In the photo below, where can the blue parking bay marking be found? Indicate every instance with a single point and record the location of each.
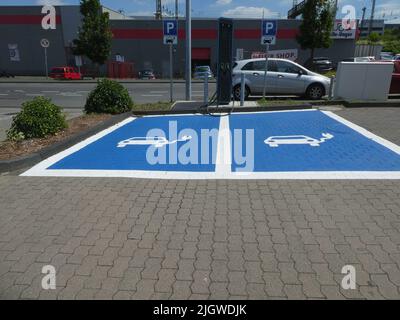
(314, 144)
(141, 147)
(304, 144)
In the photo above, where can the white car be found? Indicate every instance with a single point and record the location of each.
(284, 77)
(275, 141)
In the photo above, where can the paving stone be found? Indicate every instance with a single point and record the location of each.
(237, 283)
(386, 288)
(219, 290)
(294, 291)
(148, 239)
(181, 290)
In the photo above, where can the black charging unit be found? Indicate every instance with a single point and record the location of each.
(224, 65)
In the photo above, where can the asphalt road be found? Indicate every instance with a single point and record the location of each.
(72, 96)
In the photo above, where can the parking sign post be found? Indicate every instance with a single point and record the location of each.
(45, 44)
(171, 71)
(269, 29)
(266, 70)
(171, 38)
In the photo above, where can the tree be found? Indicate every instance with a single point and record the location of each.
(317, 25)
(373, 38)
(94, 37)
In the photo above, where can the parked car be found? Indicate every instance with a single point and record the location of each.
(5, 74)
(396, 57)
(395, 84)
(359, 59)
(284, 77)
(147, 75)
(200, 72)
(319, 64)
(386, 56)
(65, 73)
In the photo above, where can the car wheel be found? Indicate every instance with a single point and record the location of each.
(237, 92)
(315, 91)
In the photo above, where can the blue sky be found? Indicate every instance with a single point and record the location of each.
(388, 9)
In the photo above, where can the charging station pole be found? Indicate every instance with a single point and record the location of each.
(188, 50)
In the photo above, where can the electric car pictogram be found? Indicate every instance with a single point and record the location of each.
(158, 142)
(275, 141)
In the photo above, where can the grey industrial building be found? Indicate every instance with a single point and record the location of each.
(138, 40)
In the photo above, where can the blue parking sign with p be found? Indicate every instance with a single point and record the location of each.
(269, 30)
(170, 31)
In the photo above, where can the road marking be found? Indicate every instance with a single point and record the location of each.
(152, 95)
(69, 94)
(50, 91)
(158, 91)
(33, 94)
(20, 91)
(3, 94)
(224, 150)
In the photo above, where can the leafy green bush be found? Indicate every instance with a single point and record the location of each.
(37, 119)
(108, 97)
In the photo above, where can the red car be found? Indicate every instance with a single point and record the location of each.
(395, 85)
(66, 73)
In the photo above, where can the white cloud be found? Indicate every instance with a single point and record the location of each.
(223, 2)
(390, 8)
(141, 13)
(250, 12)
(50, 2)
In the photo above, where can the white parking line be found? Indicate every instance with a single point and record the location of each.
(152, 95)
(50, 91)
(33, 94)
(158, 91)
(69, 94)
(3, 94)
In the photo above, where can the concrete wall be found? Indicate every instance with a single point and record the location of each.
(22, 26)
(140, 41)
(146, 49)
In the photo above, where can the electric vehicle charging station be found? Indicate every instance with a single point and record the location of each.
(223, 94)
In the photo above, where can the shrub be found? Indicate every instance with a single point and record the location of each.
(108, 97)
(37, 119)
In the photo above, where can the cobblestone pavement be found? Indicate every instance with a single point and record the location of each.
(146, 239)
